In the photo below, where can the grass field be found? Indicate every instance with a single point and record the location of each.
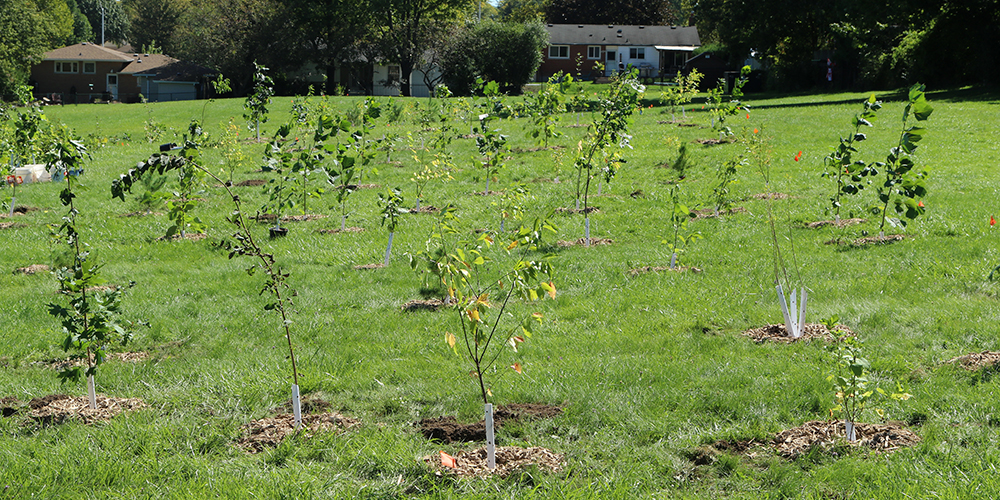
(648, 368)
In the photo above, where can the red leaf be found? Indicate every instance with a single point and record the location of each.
(447, 460)
(992, 221)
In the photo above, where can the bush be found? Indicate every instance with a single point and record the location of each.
(508, 53)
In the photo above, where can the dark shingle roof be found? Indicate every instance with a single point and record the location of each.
(604, 34)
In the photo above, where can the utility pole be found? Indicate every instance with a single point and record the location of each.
(102, 23)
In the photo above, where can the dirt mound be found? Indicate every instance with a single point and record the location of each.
(582, 242)
(345, 230)
(57, 408)
(889, 437)
(32, 269)
(508, 459)
(11, 225)
(187, 236)
(835, 223)
(709, 213)
(423, 305)
(655, 269)
(977, 360)
(589, 210)
(10, 406)
(302, 218)
(773, 196)
(777, 333)
(364, 267)
(869, 240)
(251, 182)
(269, 432)
(447, 429)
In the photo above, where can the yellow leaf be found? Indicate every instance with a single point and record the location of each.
(489, 239)
(473, 315)
(550, 289)
(512, 245)
(489, 392)
(450, 339)
(516, 367)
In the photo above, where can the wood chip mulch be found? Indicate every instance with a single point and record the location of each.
(836, 223)
(484, 193)
(655, 269)
(582, 242)
(11, 225)
(251, 182)
(72, 361)
(427, 209)
(141, 214)
(58, 408)
(880, 438)
(187, 236)
(473, 463)
(269, 432)
(976, 360)
(777, 333)
(423, 305)
(589, 210)
(878, 240)
(32, 269)
(712, 142)
(345, 230)
(303, 217)
(709, 213)
(364, 267)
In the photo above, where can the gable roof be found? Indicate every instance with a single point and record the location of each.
(164, 68)
(609, 34)
(86, 52)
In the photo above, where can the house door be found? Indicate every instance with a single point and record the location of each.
(113, 86)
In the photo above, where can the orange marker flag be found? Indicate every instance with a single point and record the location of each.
(447, 460)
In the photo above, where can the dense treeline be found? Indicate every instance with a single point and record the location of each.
(940, 42)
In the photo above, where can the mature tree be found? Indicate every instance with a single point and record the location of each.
(152, 22)
(404, 29)
(57, 21)
(328, 31)
(522, 11)
(627, 12)
(116, 23)
(21, 43)
(81, 26)
(229, 35)
(508, 53)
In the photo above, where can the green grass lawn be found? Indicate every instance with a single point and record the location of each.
(647, 367)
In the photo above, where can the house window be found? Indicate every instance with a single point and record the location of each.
(558, 51)
(393, 72)
(66, 67)
(611, 55)
(637, 53)
(593, 52)
(89, 68)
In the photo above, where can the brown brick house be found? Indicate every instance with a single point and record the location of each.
(85, 72)
(654, 50)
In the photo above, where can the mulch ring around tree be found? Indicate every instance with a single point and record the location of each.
(73, 361)
(976, 360)
(655, 269)
(32, 269)
(777, 333)
(251, 182)
(187, 236)
(589, 210)
(537, 149)
(345, 230)
(141, 213)
(11, 225)
(485, 193)
(773, 196)
(869, 240)
(367, 267)
(712, 142)
(269, 432)
(423, 305)
(880, 438)
(287, 218)
(58, 408)
(473, 463)
(19, 210)
(709, 213)
(835, 223)
(10, 406)
(426, 209)
(583, 242)
(447, 429)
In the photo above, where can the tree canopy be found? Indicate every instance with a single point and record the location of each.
(116, 23)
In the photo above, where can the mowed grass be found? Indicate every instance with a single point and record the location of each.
(648, 367)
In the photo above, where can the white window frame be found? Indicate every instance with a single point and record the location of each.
(594, 52)
(637, 53)
(559, 50)
(93, 67)
(60, 67)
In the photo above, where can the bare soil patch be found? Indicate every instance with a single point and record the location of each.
(355, 187)
(269, 432)
(141, 213)
(777, 333)
(709, 213)
(72, 361)
(712, 142)
(427, 209)
(11, 225)
(21, 210)
(835, 223)
(364, 267)
(707, 454)
(58, 408)
(187, 236)
(583, 242)
(10, 406)
(537, 149)
(655, 269)
(447, 429)
(251, 182)
(881, 438)
(32, 269)
(345, 230)
(423, 305)
(977, 360)
(473, 463)
(302, 218)
(484, 193)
